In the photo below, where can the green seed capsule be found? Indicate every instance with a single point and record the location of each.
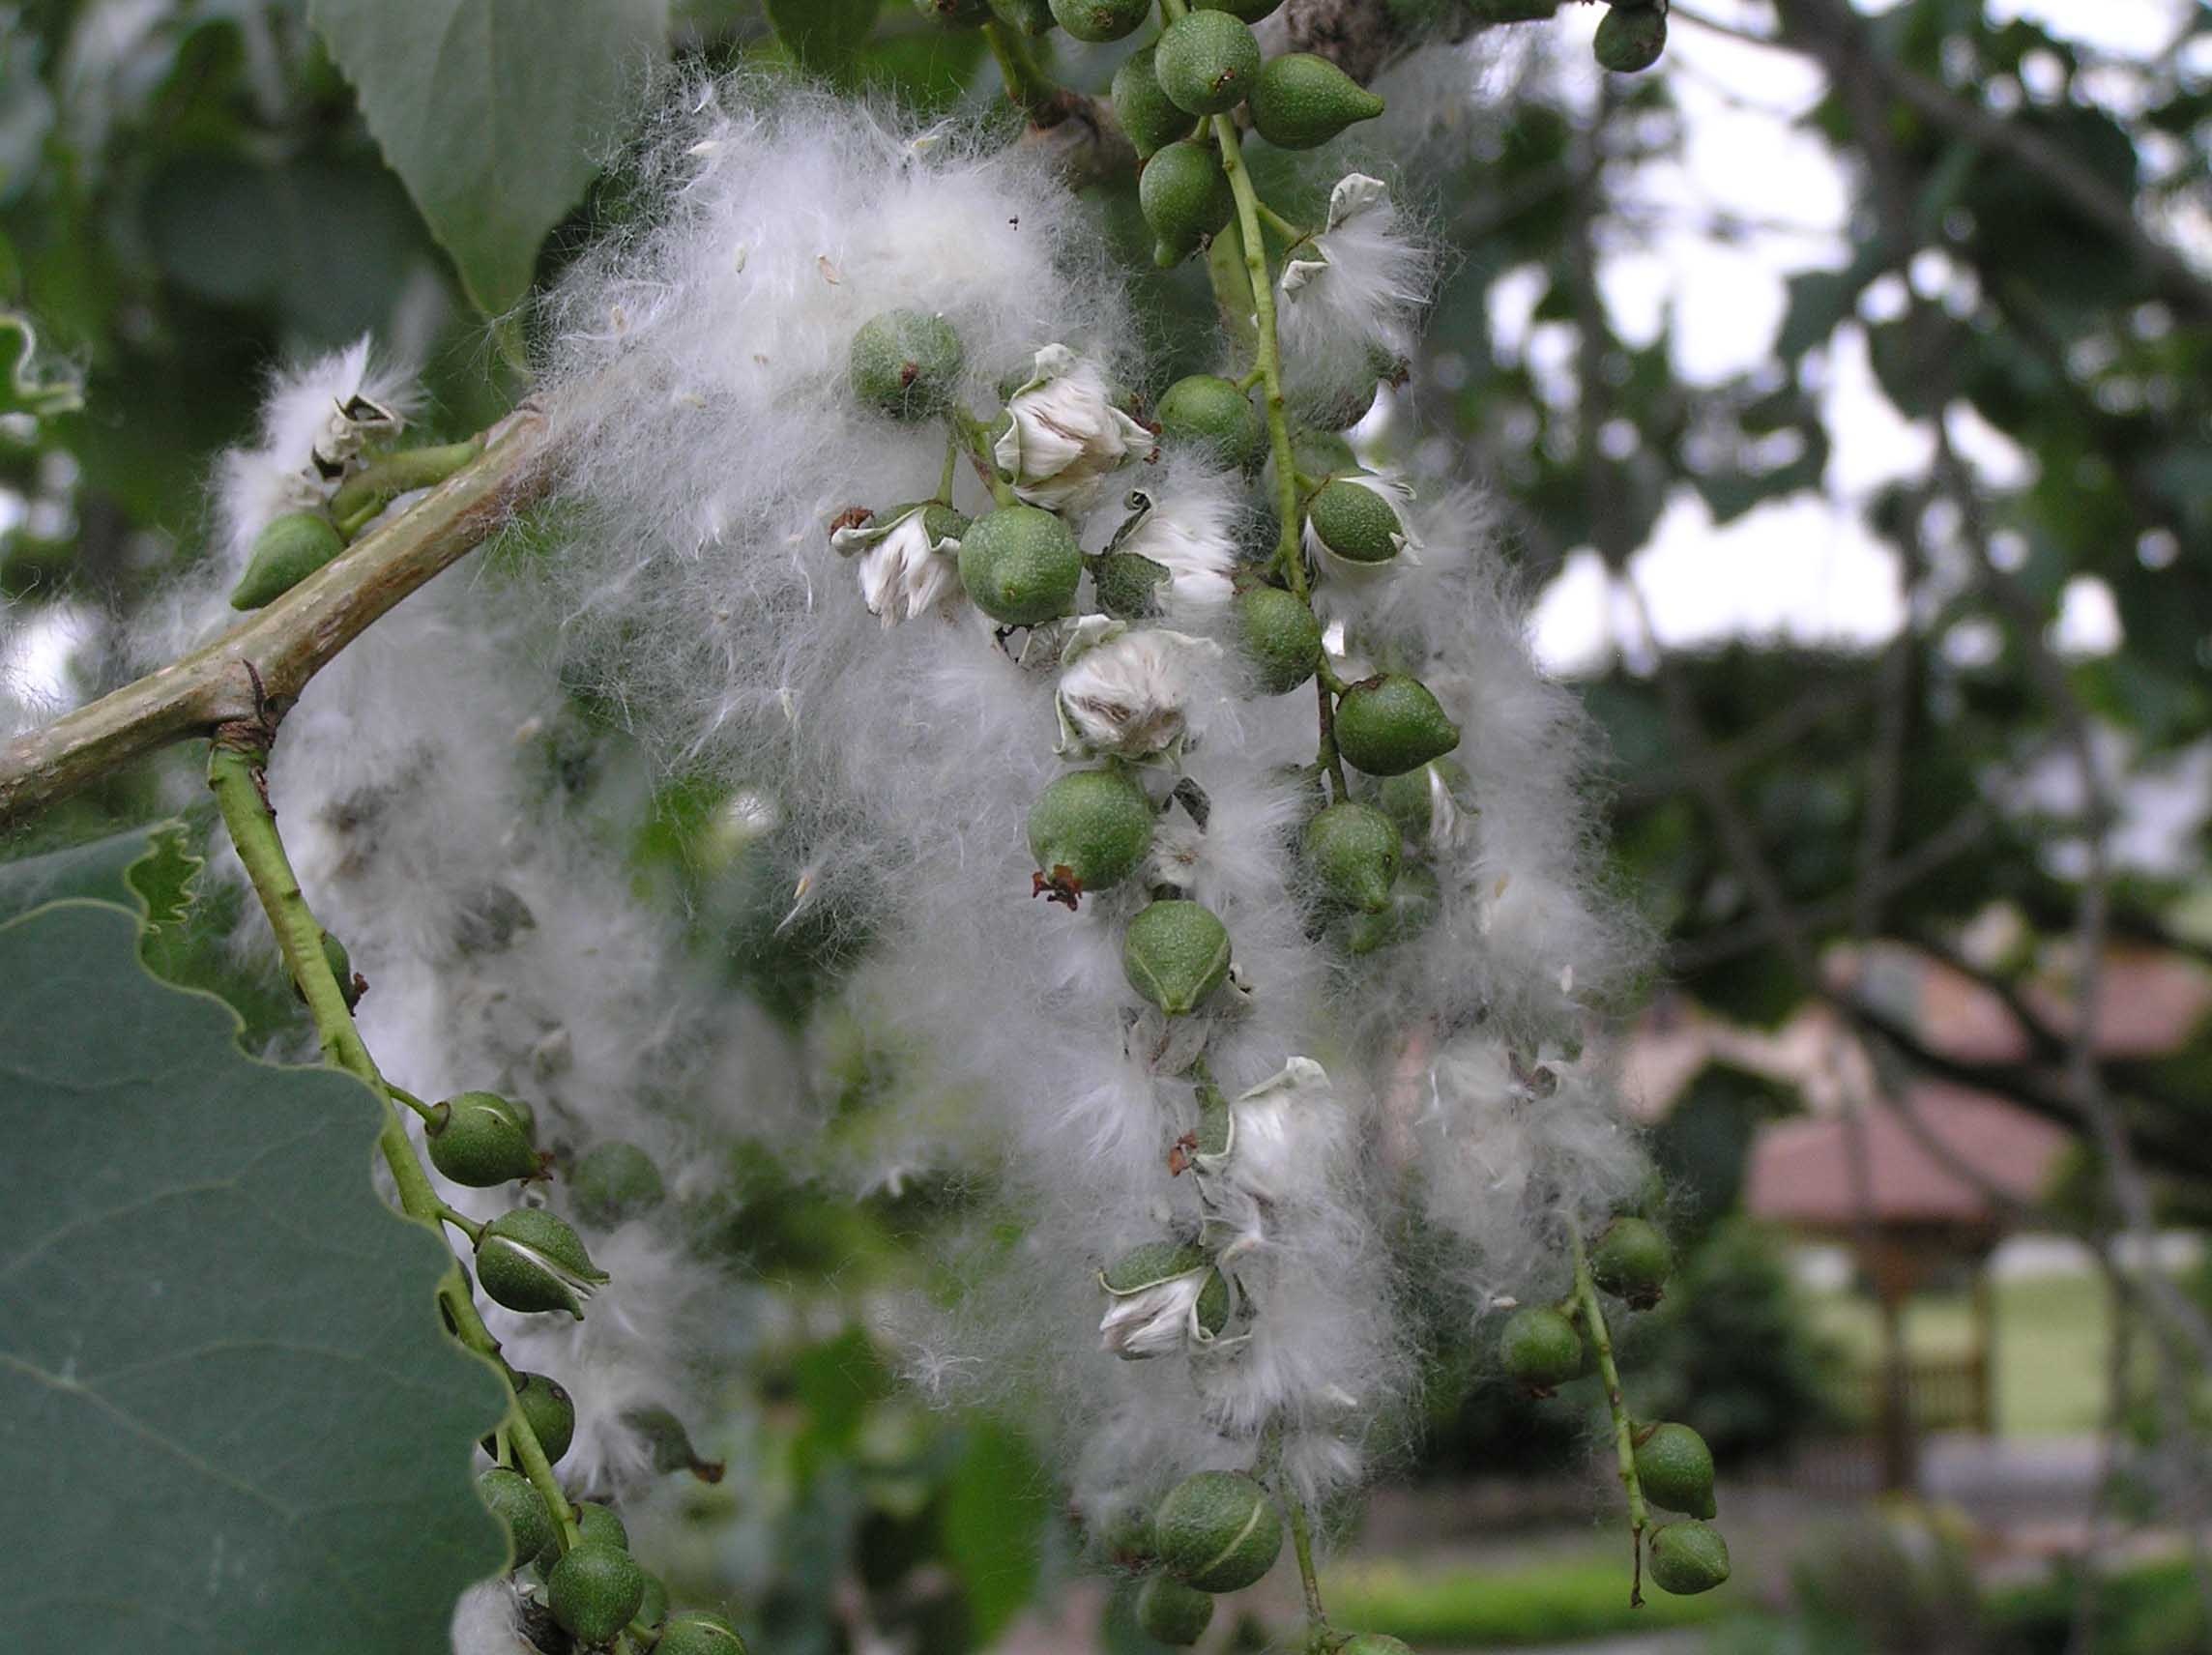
(653, 1608)
(350, 986)
(1281, 636)
(529, 1259)
(1414, 899)
(284, 554)
(1021, 565)
(1096, 20)
(1355, 522)
(1687, 1557)
(1631, 1260)
(1353, 850)
(1218, 1531)
(1630, 39)
(548, 1410)
(695, 1631)
(1675, 1468)
(595, 1525)
(1390, 724)
(1411, 800)
(1128, 585)
(1207, 62)
(516, 1503)
(1541, 1349)
(1186, 197)
(1375, 1643)
(1321, 454)
(1149, 1264)
(1145, 113)
(907, 364)
(1301, 101)
(1173, 1613)
(1030, 17)
(594, 1591)
(477, 1140)
(1088, 831)
(613, 1182)
(1211, 415)
(1126, 1537)
(1176, 954)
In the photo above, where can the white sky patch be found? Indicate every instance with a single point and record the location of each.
(1709, 239)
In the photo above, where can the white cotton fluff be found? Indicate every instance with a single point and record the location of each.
(315, 417)
(695, 388)
(487, 1620)
(1349, 303)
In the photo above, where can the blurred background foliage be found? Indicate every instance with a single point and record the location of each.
(188, 192)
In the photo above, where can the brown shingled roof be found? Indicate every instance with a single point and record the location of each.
(1801, 1171)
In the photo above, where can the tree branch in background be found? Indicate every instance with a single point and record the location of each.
(260, 667)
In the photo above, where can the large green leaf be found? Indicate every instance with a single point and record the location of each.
(229, 1420)
(825, 36)
(495, 113)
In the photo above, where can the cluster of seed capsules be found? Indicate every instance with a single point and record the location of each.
(532, 1260)
(1546, 1346)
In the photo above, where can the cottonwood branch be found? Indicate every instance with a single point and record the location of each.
(258, 668)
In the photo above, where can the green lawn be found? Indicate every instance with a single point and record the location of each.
(1553, 1600)
(2052, 1333)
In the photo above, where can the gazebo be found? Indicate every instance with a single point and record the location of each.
(1907, 1197)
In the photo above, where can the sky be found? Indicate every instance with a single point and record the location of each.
(1804, 568)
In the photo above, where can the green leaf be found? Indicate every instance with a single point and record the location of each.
(494, 112)
(232, 1420)
(99, 868)
(825, 36)
(995, 1513)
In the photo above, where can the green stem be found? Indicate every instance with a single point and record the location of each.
(1329, 758)
(1624, 1433)
(953, 451)
(398, 1094)
(1033, 91)
(976, 436)
(361, 496)
(1318, 1636)
(462, 1222)
(240, 786)
(1282, 226)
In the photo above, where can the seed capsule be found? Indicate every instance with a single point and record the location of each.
(1414, 899)
(1176, 954)
(1688, 1558)
(285, 553)
(548, 1410)
(1375, 1643)
(907, 364)
(1186, 197)
(1355, 522)
(516, 1503)
(1353, 851)
(1281, 638)
(596, 1524)
(1021, 565)
(1146, 112)
(1390, 724)
(1030, 17)
(595, 1591)
(614, 1181)
(695, 1631)
(1211, 415)
(1089, 831)
(1128, 584)
(1676, 1469)
(1411, 800)
(1173, 1613)
(529, 1259)
(1096, 20)
(1218, 1531)
(477, 1140)
(1629, 39)
(1541, 1349)
(1207, 62)
(1631, 1260)
(1301, 101)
